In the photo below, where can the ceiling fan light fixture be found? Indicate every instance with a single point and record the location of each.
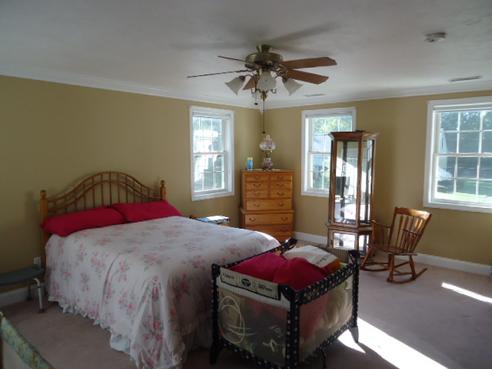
(266, 82)
(291, 85)
(235, 84)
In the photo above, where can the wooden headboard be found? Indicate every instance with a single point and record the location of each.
(100, 189)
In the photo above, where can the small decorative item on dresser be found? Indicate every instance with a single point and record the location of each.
(249, 163)
(266, 202)
(267, 146)
(215, 219)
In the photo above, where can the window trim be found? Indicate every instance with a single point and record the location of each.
(432, 134)
(305, 190)
(228, 158)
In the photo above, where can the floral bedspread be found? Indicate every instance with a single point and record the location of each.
(149, 282)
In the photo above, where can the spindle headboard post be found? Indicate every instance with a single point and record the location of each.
(100, 189)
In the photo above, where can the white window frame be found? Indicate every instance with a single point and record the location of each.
(432, 147)
(228, 153)
(306, 137)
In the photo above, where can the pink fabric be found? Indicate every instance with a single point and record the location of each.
(64, 225)
(138, 212)
(298, 273)
(261, 266)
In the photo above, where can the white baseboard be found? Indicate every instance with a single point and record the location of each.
(439, 261)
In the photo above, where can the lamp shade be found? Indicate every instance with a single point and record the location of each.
(235, 84)
(266, 82)
(291, 85)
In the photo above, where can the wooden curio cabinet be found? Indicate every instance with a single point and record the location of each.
(351, 189)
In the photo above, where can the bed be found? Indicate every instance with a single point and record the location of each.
(147, 282)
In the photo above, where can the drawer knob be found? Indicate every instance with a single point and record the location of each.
(256, 185)
(256, 205)
(252, 219)
(284, 218)
(280, 193)
(280, 204)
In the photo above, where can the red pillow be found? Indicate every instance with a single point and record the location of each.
(262, 266)
(63, 225)
(138, 212)
(298, 273)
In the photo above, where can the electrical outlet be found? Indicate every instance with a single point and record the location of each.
(37, 261)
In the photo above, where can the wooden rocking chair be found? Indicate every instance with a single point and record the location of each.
(400, 239)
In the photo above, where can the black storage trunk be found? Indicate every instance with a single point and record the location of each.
(277, 326)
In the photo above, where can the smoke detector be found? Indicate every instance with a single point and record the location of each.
(435, 37)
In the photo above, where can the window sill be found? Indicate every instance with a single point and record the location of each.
(210, 195)
(315, 194)
(454, 206)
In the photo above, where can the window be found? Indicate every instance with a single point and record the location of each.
(212, 157)
(459, 155)
(316, 146)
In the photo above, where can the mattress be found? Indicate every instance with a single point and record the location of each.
(148, 282)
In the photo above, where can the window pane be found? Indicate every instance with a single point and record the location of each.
(321, 143)
(486, 168)
(320, 171)
(209, 172)
(449, 121)
(467, 167)
(446, 167)
(487, 120)
(470, 120)
(445, 186)
(345, 123)
(466, 186)
(448, 142)
(485, 188)
(216, 134)
(469, 142)
(487, 142)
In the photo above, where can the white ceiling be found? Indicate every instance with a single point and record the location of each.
(151, 46)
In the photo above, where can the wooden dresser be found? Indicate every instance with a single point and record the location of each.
(266, 202)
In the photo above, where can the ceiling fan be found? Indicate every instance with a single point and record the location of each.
(264, 66)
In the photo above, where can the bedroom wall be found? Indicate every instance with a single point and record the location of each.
(52, 134)
(399, 179)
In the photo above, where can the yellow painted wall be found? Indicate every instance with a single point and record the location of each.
(52, 134)
(399, 179)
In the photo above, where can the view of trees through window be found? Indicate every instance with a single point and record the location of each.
(464, 156)
(319, 152)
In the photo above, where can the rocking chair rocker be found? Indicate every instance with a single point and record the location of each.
(400, 239)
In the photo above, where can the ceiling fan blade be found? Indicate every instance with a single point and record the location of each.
(214, 74)
(229, 58)
(309, 63)
(251, 83)
(305, 76)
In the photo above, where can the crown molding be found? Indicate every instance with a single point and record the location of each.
(132, 87)
(392, 93)
(114, 85)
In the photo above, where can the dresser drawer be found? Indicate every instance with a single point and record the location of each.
(280, 186)
(256, 178)
(256, 186)
(256, 194)
(281, 233)
(277, 194)
(268, 204)
(275, 218)
(281, 177)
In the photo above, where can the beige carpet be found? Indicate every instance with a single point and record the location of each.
(417, 325)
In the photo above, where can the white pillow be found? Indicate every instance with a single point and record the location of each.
(313, 254)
